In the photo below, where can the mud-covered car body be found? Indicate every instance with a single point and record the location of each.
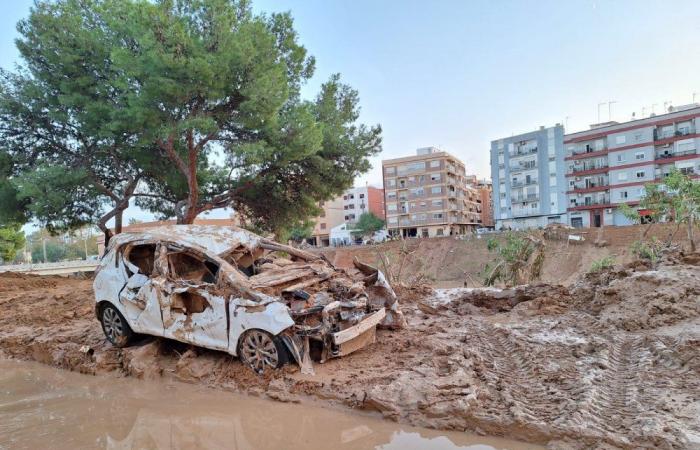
(210, 285)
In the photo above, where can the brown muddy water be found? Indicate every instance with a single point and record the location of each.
(44, 407)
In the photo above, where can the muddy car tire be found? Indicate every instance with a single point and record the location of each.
(260, 350)
(115, 327)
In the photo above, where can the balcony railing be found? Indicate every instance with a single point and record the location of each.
(524, 198)
(591, 185)
(523, 152)
(659, 135)
(593, 202)
(666, 155)
(524, 166)
(590, 167)
(523, 183)
(584, 151)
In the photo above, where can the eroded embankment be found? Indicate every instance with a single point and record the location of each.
(612, 360)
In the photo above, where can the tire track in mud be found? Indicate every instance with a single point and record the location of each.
(520, 381)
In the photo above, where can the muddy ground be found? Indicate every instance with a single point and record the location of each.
(612, 361)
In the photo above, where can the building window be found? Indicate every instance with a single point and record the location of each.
(623, 194)
(622, 176)
(620, 157)
(390, 170)
(436, 189)
(638, 137)
(434, 177)
(391, 182)
(640, 174)
(437, 216)
(323, 226)
(620, 139)
(435, 163)
(437, 203)
(639, 155)
(345, 197)
(439, 232)
(362, 195)
(323, 213)
(345, 206)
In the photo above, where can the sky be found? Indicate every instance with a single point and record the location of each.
(459, 74)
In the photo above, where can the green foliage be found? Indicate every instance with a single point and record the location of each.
(650, 250)
(187, 106)
(518, 260)
(677, 199)
(298, 232)
(11, 241)
(367, 224)
(68, 246)
(602, 263)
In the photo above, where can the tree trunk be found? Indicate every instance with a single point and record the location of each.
(118, 221)
(691, 233)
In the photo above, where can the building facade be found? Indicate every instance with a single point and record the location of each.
(609, 164)
(529, 186)
(359, 200)
(485, 190)
(332, 215)
(426, 195)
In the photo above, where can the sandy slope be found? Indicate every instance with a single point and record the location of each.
(613, 360)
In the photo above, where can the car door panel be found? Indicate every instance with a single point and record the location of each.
(191, 312)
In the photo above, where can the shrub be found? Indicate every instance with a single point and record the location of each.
(602, 263)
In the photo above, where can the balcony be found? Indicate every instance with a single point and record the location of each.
(530, 182)
(602, 201)
(524, 198)
(668, 154)
(587, 167)
(529, 165)
(667, 134)
(523, 152)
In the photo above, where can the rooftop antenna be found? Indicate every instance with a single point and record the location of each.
(694, 94)
(566, 123)
(599, 105)
(610, 103)
(644, 108)
(667, 105)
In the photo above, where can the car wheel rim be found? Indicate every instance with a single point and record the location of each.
(259, 351)
(112, 323)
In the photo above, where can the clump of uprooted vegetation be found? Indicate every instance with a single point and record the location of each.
(518, 259)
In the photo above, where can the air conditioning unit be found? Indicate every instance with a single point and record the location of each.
(578, 178)
(608, 211)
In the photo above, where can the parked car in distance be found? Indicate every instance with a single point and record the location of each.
(227, 289)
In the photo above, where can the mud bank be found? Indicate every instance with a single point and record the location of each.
(612, 360)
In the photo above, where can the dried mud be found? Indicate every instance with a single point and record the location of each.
(611, 361)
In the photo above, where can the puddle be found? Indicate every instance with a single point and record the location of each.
(43, 407)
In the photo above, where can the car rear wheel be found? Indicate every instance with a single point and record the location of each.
(260, 350)
(115, 327)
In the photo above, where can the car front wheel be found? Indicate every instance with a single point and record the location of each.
(114, 325)
(260, 350)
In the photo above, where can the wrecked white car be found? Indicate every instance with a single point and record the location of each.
(227, 289)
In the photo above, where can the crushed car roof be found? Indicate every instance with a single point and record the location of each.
(215, 239)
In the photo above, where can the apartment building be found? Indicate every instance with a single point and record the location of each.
(529, 186)
(359, 200)
(427, 195)
(609, 164)
(332, 215)
(485, 190)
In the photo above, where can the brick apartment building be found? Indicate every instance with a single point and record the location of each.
(485, 190)
(427, 195)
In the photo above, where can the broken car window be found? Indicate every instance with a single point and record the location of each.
(141, 256)
(188, 267)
